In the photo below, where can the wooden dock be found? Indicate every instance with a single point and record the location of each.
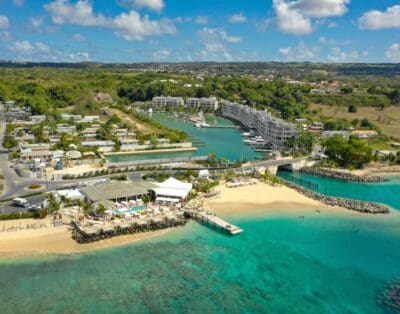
(213, 220)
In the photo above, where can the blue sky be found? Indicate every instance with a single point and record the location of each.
(200, 30)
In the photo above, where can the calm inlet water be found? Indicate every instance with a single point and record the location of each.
(280, 264)
(225, 143)
(387, 192)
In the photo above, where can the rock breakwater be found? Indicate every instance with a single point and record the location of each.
(356, 205)
(86, 236)
(341, 175)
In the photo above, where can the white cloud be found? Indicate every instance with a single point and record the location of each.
(77, 57)
(36, 22)
(80, 13)
(78, 37)
(296, 17)
(320, 8)
(332, 25)
(291, 21)
(298, 54)
(25, 47)
(132, 26)
(154, 5)
(214, 41)
(201, 20)
(337, 55)
(18, 3)
(237, 18)
(381, 19)
(4, 23)
(161, 54)
(25, 50)
(333, 42)
(393, 53)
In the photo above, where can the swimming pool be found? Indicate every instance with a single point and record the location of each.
(131, 210)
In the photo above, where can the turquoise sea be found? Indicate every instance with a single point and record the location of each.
(323, 263)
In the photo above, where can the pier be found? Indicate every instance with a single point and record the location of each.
(213, 220)
(221, 127)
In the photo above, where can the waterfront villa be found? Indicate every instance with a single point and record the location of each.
(273, 130)
(167, 101)
(203, 103)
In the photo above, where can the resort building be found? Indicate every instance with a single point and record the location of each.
(167, 101)
(364, 134)
(102, 146)
(172, 191)
(344, 134)
(203, 103)
(273, 130)
(117, 191)
(35, 151)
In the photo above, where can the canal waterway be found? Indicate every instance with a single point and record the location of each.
(224, 142)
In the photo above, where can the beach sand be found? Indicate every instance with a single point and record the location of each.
(54, 240)
(246, 201)
(265, 198)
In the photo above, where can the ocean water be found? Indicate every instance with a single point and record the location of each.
(323, 263)
(225, 143)
(386, 192)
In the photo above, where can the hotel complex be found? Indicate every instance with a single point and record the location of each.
(204, 103)
(273, 130)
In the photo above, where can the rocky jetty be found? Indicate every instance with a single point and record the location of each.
(341, 175)
(85, 236)
(359, 206)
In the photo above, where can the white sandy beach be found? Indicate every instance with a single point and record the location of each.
(248, 200)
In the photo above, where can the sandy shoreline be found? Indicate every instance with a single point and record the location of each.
(247, 201)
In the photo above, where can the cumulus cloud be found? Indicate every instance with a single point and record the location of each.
(25, 50)
(333, 42)
(337, 55)
(4, 23)
(237, 18)
(381, 19)
(214, 41)
(298, 54)
(25, 47)
(36, 23)
(130, 26)
(393, 53)
(78, 37)
(154, 5)
(296, 17)
(161, 54)
(201, 20)
(80, 13)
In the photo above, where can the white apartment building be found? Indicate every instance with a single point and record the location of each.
(167, 101)
(203, 103)
(273, 130)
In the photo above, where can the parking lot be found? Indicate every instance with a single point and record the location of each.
(10, 208)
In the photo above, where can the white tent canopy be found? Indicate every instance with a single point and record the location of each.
(173, 188)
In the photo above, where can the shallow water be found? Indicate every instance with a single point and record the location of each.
(280, 264)
(386, 192)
